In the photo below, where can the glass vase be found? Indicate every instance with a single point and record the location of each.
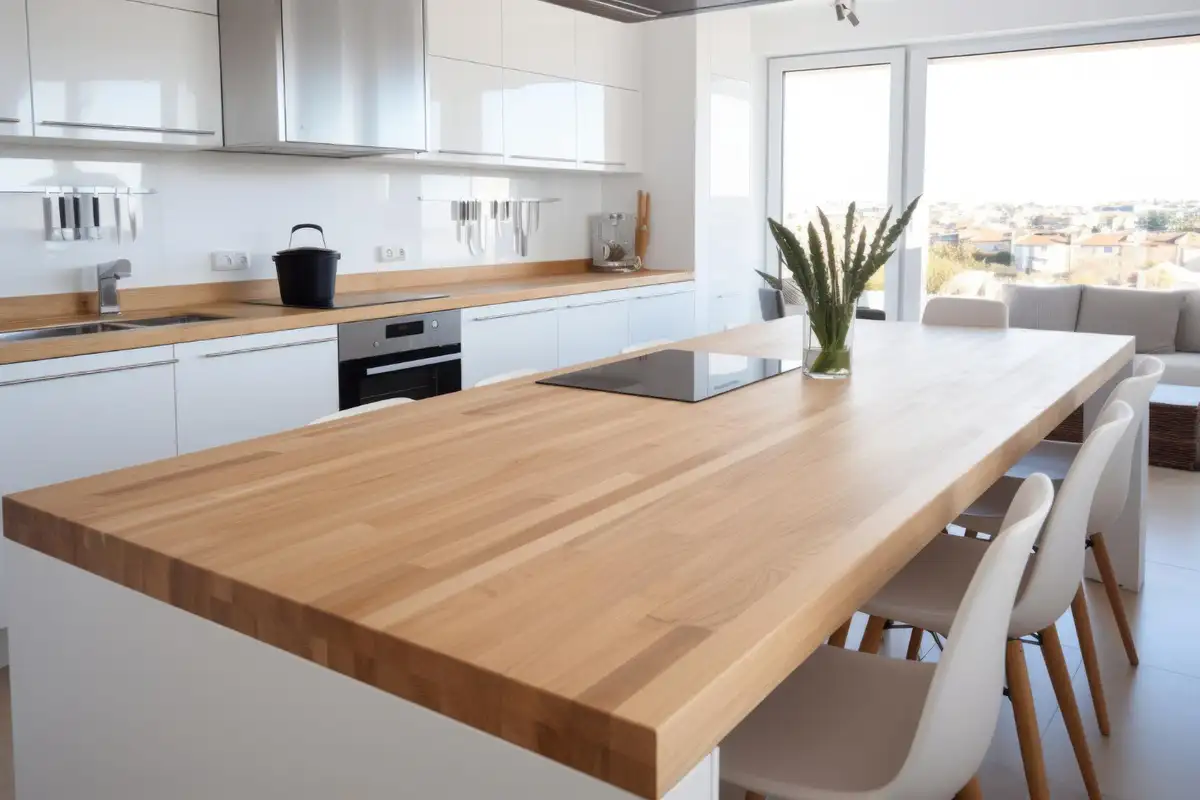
(829, 356)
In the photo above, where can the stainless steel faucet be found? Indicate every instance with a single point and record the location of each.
(107, 275)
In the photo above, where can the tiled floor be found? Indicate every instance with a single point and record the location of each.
(1153, 753)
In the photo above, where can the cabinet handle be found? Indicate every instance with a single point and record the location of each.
(280, 346)
(468, 153)
(54, 123)
(13, 120)
(604, 163)
(103, 371)
(597, 303)
(546, 158)
(421, 362)
(514, 314)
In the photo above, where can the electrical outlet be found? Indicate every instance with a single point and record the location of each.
(230, 260)
(390, 253)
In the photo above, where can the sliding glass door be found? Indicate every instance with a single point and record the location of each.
(837, 137)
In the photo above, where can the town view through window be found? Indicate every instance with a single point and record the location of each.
(1068, 166)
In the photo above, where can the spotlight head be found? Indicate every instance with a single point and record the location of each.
(840, 11)
(853, 18)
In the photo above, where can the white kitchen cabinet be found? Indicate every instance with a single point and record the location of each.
(230, 390)
(506, 338)
(539, 119)
(662, 313)
(592, 326)
(608, 128)
(67, 418)
(470, 30)
(539, 37)
(608, 52)
(16, 111)
(466, 108)
(118, 70)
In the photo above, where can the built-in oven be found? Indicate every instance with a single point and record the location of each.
(416, 357)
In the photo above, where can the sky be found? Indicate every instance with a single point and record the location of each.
(1078, 125)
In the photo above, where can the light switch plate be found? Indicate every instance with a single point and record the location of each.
(230, 260)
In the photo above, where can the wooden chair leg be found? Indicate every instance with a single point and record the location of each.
(971, 791)
(970, 534)
(1060, 676)
(914, 644)
(1113, 589)
(873, 636)
(838, 639)
(1091, 660)
(755, 796)
(1028, 734)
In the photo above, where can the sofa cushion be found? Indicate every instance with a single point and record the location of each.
(1046, 308)
(1152, 317)
(1188, 339)
(1182, 369)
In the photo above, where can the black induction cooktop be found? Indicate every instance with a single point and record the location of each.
(682, 375)
(357, 299)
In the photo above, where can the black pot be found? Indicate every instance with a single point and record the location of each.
(307, 275)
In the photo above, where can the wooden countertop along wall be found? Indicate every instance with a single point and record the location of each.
(613, 582)
(466, 287)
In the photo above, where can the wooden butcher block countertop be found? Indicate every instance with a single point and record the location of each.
(611, 581)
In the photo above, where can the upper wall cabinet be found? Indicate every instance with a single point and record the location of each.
(469, 30)
(16, 113)
(608, 52)
(120, 70)
(539, 120)
(609, 123)
(539, 37)
(466, 109)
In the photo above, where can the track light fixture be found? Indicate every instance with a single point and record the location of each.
(845, 9)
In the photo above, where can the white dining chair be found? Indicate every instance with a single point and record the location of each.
(965, 312)
(634, 348)
(852, 726)
(929, 590)
(507, 376)
(364, 409)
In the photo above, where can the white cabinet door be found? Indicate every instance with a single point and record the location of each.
(118, 70)
(16, 112)
(663, 317)
(609, 123)
(631, 129)
(500, 339)
(539, 37)
(230, 390)
(539, 118)
(466, 108)
(592, 326)
(68, 418)
(608, 52)
(470, 30)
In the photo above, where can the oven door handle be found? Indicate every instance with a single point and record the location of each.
(421, 362)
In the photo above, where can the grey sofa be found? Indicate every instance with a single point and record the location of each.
(1165, 324)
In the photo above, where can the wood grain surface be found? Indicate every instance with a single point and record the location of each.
(476, 286)
(611, 581)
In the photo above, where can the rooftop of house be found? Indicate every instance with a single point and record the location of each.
(1107, 240)
(1042, 239)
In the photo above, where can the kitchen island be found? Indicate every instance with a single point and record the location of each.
(518, 591)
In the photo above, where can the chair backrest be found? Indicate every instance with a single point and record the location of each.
(365, 409)
(1114, 482)
(634, 348)
(507, 376)
(965, 312)
(963, 703)
(1057, 568)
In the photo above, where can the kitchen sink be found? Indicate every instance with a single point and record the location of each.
(61, 330)
(178, 319)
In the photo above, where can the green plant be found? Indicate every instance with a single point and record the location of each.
(831, 288)
(791, 292)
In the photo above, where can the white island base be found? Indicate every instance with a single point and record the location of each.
(119, 697)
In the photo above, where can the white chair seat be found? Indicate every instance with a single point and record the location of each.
(379, 405)
(841, 724)
(929, 590)
(1052, 459)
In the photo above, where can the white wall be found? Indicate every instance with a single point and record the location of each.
(227, 201)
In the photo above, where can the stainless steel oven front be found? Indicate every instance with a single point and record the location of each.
(418, 356)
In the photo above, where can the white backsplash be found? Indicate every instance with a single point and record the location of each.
(226, 201)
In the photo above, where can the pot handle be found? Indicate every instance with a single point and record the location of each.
(309, 225)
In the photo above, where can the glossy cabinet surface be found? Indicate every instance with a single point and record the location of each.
(230, 390)
(608, 52)
(609, 127)
(115, 70)
(500, 339)
(539, 118)
(663, 317)
(16, 112)
(470, 30)
(539, 37)
(592, 326)
(466, 108)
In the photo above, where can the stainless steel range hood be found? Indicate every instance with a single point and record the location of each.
(338, 78)
(646, 10)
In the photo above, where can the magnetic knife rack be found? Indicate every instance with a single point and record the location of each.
(471, 217)
(84, 213)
